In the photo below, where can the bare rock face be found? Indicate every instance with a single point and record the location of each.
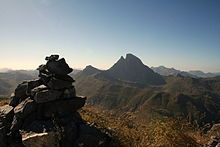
(43, 112)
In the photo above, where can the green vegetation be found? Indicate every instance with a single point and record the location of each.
(195, 99)
(126, 132)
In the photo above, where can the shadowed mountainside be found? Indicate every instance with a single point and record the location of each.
(197, 99)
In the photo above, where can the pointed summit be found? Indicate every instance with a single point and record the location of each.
(89, 70)
(132, 69)
(132, 58)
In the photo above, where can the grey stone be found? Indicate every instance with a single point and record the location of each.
(55, 83)
(60, 107)
(6, 115)
(38, 89)
(47, 95)
(20, 91)
(33, 84)
(25, 108)
(59, 67)
(69, 93)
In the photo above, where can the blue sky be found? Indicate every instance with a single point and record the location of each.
(184, 34)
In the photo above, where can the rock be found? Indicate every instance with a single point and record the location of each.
(65, 78)
(6, 111)
(47, 139)
(47, 95)
(214, 141)
(14, 100)
(89, 137)
(6, 115)
(52, 58)
(44, 78)
(25, 108)
(3, 139)
(215, 130)
(59, 67)
(33, 84)
(57, 84)
(38, 89)
(38, 126)
(69, 93)
(60, 107)
(70, 132)
(20, 91)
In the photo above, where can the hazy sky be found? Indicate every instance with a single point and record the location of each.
(184, 34)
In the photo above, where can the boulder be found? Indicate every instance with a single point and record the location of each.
(47, 139)
(59, 67)
(25, 108)
(22, 111)
(20, 91)
(60, 107)
(57, 84)
(47, 95)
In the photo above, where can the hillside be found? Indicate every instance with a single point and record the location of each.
(9, 80)
(197, 99)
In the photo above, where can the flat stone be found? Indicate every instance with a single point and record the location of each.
(47, 96)
(47, 139)
(59, 67)
(38, 89)
(60, 107)
(65, 78)
(55, 83)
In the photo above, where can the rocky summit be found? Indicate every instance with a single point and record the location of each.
(43, 112)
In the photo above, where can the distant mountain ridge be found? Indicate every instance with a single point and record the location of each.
(162, 70)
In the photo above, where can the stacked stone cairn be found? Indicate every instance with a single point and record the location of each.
(43, 112)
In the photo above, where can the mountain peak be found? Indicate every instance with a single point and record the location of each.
(89, 70)
(133, 58)
(132, 69)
